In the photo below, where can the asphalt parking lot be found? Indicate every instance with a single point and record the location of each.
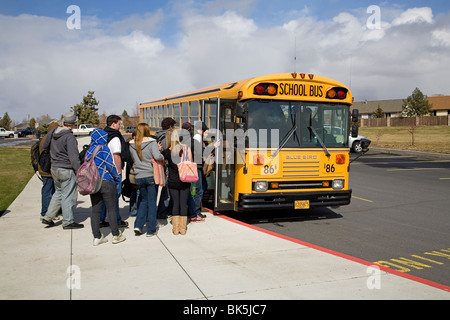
(398, 216)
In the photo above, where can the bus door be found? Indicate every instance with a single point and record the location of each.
(224, 190)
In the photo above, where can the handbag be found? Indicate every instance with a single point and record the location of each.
(132, 176)
(159, 172)
(187, 170)
(208, 166)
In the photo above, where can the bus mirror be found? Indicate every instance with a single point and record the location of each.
(365, 143)
(355, 115)
(241, 109)
(355, 130)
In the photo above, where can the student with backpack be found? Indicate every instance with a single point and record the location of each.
(104, 161)
(48, 186)
(65, 162)
(121, 155)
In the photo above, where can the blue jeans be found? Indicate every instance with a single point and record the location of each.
(164, 203)
(47, 191)
(146, 204)
(195, 201)
(118, 193)
(133, 202)
(65, 196)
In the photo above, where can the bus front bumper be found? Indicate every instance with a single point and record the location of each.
(287, 200)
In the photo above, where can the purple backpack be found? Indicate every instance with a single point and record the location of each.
(88, 178)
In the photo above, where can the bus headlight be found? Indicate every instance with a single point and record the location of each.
(338, 184)
(260, 186)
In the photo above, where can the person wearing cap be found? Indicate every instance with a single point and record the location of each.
(65, 163)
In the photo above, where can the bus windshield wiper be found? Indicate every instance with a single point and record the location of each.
(285, 140)
(320, 141)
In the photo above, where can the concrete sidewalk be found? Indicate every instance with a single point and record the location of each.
(216, 259)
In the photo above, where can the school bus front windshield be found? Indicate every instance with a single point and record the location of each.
(294, 124)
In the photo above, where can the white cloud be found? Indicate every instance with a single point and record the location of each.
(414, 15)
(441, 37)
(46, 68)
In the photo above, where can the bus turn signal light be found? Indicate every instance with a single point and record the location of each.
(340, 159)
(258, 159)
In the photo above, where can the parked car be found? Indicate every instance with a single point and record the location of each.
(25, 132)
(355, 143)
(83, 130)
(6, 133)
(131, 129)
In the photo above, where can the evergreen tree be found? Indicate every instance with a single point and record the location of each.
(87, 111)
(379, 112)
(5, 122)
(416, 104)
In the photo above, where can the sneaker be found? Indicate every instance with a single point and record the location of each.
(151, 235)
(196, 219)
(100, 241)
(122, 224)
(119, 238)
(138, 231)
(73, 225)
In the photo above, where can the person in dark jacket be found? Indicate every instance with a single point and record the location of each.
(121, 154)
(65, 163)
(165, 205)
(48, 186)
(179, 191)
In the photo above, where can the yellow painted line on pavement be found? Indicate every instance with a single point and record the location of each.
(362, 199)
(444, 178)
(432, 258)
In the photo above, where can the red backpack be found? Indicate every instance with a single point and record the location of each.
(88, 178)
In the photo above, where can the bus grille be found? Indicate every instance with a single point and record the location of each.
(296, 185)
(301, 169)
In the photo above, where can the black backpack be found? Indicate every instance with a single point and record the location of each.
(45, 161)
(35, 155)
(42, 159)
(82, 153)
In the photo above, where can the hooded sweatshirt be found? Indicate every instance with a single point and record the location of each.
(63, 148)
(149, 148)
(103, 159)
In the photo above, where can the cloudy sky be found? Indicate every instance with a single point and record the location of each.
(132, 51)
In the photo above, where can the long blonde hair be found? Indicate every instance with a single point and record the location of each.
(175, 146)
(142, 130)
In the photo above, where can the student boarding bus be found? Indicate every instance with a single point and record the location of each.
(284, 140)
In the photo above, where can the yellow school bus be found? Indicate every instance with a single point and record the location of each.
(284, 140)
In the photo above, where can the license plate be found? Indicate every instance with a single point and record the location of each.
(301, 204)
